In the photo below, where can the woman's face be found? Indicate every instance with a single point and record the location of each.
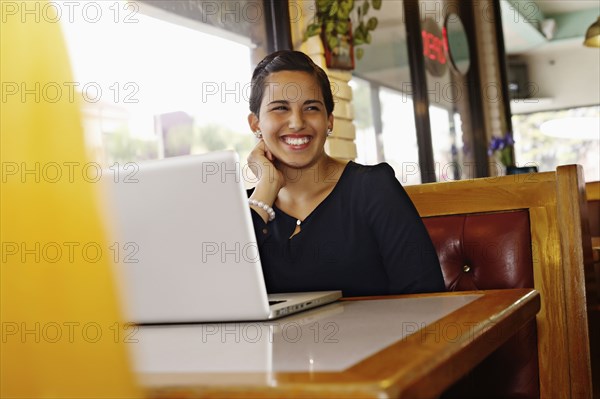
(293, 119)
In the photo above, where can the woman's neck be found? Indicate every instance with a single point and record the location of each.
(311, 181)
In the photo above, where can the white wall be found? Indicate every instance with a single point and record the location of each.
(567, 75)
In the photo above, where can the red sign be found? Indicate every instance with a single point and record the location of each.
(435, 47)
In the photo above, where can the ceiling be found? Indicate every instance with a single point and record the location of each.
(528, 26)
(541, 24)
(565, 6)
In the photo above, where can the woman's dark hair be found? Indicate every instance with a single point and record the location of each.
(287, 60)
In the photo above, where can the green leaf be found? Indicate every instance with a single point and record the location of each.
(362, 29)
(358, 35)
(365, 7)
(312, 30)
(341, 15)
(368, 38)
(334, 9)
(347, 6)
(358, 41)
(329, 27)
(342, 28)
(359, 53)
(376, 4)
(333, 42)
(372, 23)
(323, 6)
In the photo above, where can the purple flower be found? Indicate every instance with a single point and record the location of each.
(509, 139)
(503, 145)
(496, 144)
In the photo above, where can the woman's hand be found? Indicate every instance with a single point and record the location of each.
(263, 164)
(270, 179)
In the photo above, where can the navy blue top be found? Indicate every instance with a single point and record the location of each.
(365, 238)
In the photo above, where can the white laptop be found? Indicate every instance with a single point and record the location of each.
(184, 245)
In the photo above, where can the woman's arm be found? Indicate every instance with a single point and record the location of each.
(408, 254)
(270, 179)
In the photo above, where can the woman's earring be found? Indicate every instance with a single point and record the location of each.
(258, 134)
(329, 132)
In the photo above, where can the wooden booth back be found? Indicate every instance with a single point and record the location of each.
(519, 231)
(593, 275)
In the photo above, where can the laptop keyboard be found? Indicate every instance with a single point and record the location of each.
(271, 303)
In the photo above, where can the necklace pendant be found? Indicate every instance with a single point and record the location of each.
(298, 222)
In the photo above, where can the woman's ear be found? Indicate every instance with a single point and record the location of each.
(330, 121)
(253, 122)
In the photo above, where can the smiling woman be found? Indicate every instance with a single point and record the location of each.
(323, 224)
(293, 119)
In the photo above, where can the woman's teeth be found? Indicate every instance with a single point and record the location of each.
(296, 140)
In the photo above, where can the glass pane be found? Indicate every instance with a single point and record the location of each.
(458, 45)
(553, 138)
(154, 84)
(442, 89)
(366, 141)
(399, 135)
(443, 142)
(385, 63)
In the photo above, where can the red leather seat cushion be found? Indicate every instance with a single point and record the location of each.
(482, 252)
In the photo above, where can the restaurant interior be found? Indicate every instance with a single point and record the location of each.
(488, 112)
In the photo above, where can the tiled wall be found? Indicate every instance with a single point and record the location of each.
(341, 143)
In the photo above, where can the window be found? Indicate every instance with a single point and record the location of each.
(443, 137)
(154, 83)
(366, 138)
(399, 135)
(395, 142)
(552, 138)
(381, 83)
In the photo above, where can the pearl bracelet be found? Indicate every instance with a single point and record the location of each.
(264, 206)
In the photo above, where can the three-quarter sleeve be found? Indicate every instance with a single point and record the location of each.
(408, 255)
(261, 228)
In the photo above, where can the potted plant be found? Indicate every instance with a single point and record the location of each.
(341, 34)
